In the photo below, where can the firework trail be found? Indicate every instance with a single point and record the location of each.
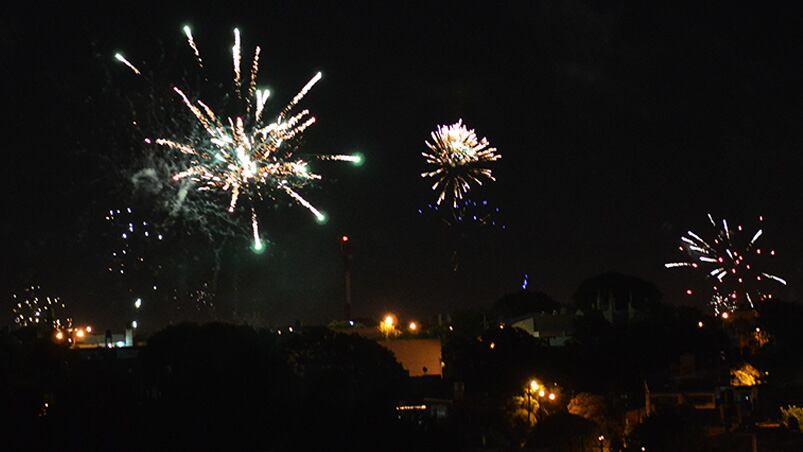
(243, 154)
(733, 262)
(191, 42)
(119, 57)
(460, 160)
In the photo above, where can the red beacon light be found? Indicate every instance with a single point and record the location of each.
(344, 239)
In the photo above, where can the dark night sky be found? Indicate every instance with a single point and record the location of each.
(620, 127)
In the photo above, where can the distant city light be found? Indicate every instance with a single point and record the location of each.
(411, 407)
(138, 303)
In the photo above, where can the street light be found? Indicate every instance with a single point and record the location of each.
(388, 325)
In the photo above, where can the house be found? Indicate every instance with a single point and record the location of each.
(555, 327)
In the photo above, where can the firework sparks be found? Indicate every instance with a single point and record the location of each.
(32, 309)
(460, 160)
(134, 237)
(732, 264)
(133, 241)
(191, 42)
(468, 212)
(119, 57)
(243, 154)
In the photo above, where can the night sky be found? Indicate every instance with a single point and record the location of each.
(620, 127)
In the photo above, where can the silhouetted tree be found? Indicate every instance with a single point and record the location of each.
(670, 430)
(564, 432)
(619, 288)
(523, 302)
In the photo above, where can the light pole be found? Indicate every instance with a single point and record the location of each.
(531, 390)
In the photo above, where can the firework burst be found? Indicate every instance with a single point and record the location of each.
(134, 240)
(244, 154)
(31, 308)
(733, 262)
(460, 160)
(468, 212)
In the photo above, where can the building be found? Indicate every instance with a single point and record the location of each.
(556, 327)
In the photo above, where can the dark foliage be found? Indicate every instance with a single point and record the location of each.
(523, 302)
(208, 387)
(619, 288)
